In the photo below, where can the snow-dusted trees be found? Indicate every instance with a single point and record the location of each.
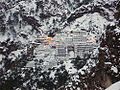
(22, 21)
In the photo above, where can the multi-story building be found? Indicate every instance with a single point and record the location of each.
(78, 39)
(61, 51)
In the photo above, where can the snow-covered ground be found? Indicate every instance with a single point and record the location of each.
(115, 86)
(42, 25)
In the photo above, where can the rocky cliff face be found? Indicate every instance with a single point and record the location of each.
(22, 22)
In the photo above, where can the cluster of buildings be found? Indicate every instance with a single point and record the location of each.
(75, 43)
(64, 46)
(67, 45)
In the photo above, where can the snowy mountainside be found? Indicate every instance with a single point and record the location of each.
(115, 86)
(30, 31)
